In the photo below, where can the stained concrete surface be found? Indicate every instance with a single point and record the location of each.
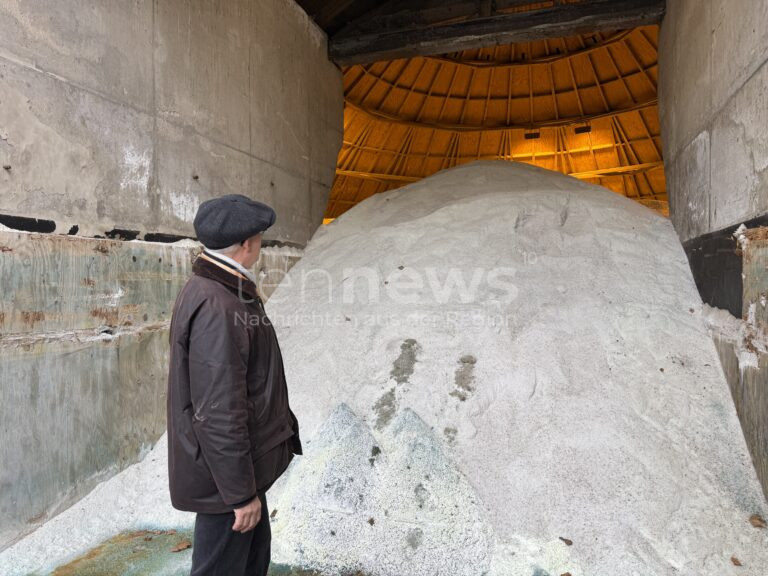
(743, 352)
(54, 283)
(83, 336)
(83, 362)
(151, 552)
(128, 115)
(138, 553)
(747, 383)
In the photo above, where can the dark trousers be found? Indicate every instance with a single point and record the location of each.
(220, 551)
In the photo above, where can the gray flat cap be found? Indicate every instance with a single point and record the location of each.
(227, 220)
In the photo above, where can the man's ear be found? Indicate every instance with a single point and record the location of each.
(253, 245)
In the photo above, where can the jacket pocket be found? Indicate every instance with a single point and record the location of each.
(185, 432)
(255, 424)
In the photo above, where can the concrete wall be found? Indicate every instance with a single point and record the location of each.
(713, 88)
(83, 361)
(127, 114)
(746, 359)
(747, 382)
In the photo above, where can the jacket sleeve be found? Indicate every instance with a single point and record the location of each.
(218, 362)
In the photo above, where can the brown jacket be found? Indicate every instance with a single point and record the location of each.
(228, 405)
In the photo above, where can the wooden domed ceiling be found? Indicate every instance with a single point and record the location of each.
(585, 105)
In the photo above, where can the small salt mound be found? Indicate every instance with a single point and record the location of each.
(494, 361)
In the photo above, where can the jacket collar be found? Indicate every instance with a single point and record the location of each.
(220, 271)
(230, 263)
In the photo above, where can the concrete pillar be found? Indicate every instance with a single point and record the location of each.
(713, 88)
(713, 84)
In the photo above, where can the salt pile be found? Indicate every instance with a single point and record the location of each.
(570, 391)
(498, 370)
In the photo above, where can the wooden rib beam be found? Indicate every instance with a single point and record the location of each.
(618, 170)
(379, 177)
(505, 143)
(452, 127)
(602, 173)
(366, 43)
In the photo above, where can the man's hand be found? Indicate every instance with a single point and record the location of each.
(248, 516)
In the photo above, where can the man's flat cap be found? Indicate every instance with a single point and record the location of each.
(227, 220)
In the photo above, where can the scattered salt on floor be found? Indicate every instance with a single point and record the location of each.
(136, 498)
(748, 338)
(582, 426)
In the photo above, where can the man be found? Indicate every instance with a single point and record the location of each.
(231, 432)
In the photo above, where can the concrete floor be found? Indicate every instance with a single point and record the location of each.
(157, 552)
(150, 552)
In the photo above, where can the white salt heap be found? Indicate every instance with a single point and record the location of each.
(591, 406)
(532, 392)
